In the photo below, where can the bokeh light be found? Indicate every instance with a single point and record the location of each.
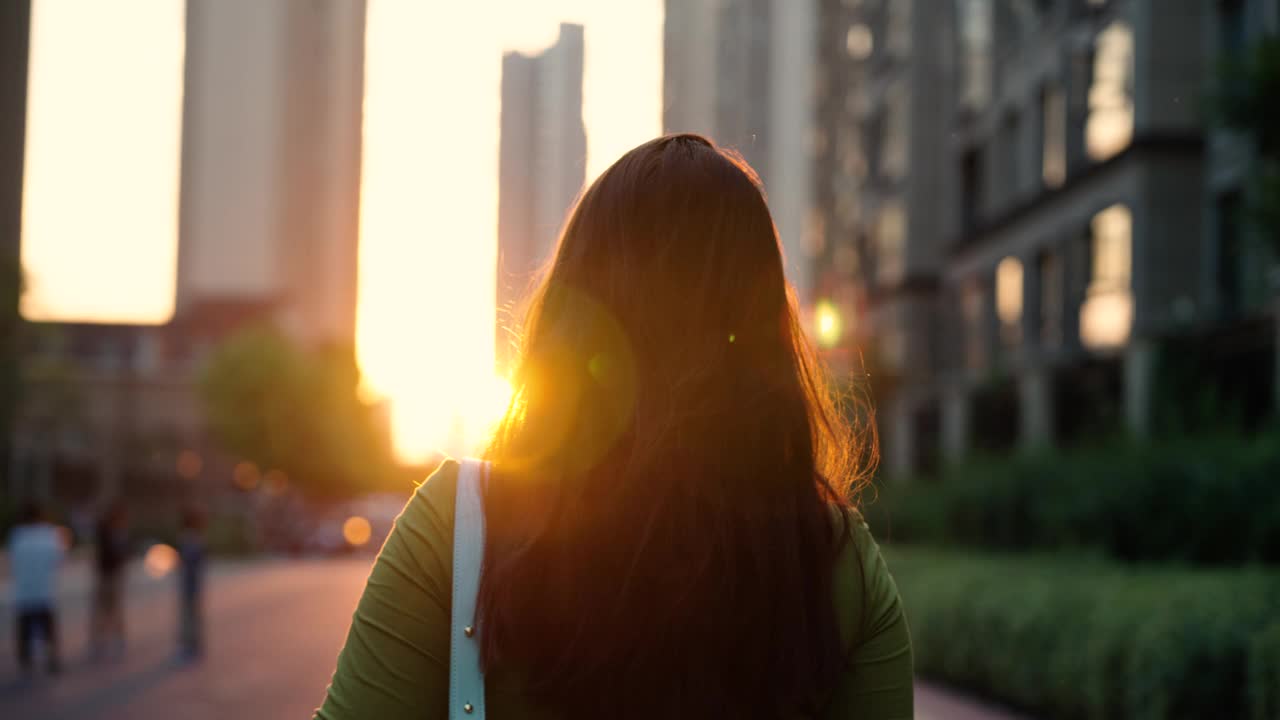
(189, 465)
(275, 482)
(246, 476)
(160, 560)
(356, 531)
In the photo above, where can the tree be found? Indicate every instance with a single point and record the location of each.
(282, 407)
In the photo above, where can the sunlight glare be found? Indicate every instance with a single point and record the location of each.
(103, 140)
(428, 217)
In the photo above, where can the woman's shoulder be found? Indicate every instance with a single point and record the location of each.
(441, 486)
(865, 591)
(426, 522)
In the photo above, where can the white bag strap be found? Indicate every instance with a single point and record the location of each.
(466, 682)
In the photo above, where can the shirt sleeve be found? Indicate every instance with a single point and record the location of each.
(877, 684)
(395, 662)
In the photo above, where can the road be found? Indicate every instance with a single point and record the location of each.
(275, 628)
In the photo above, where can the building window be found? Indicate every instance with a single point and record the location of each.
(1053, 128)
(1106, 317)
(1009, 287)
(849, 149)
(817, 141)
(976, 18)
(899, 27)
(891, 230)
(814, 233)
(1227, 210)
(972, 307)
(1231, 27)
(1011, 183)
(859, 42)
(893, 348)
(1110, 125)
(854, 101)
(1052, 292)
(971, 195)
(1024, 18)
(845, 259)
(897, 123)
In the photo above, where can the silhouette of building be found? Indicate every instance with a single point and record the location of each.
(741, 72)
(269, 200)
(15, 37)
(689, 52)
(542, 165)
(271, 163)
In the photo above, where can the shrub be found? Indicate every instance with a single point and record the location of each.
(1264, 673)
(1210, 501)
(1078, 637)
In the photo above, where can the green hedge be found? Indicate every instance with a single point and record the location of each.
(1084, 638)
(1205, 501)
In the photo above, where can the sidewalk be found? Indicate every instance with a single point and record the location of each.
(936, 703)
(932, 702)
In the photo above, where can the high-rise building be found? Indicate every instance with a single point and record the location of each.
(541, 167)
(1075, 225)
(689, 49)
(271, 165)
(270, 175)
(15, 28)
(740, 72)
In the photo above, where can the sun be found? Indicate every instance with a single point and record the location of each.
(457, 420)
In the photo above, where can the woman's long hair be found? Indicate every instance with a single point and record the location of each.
(661, 538)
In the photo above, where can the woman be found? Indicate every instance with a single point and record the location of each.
(668, 531)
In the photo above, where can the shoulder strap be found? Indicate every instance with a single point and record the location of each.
(466, 683)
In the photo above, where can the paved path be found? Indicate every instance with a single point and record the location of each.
(275, 629)
(935, 703)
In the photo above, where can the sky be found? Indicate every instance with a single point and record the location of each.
(101, 167)
(449, 124)
(103, 145)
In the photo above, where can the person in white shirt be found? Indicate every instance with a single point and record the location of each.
(36, 551)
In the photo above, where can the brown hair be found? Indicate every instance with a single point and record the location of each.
(661, 540)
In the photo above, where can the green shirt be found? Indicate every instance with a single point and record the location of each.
(395, 663)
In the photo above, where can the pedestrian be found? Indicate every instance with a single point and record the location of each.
(36, 551)
(192, 557)
(106, 626)
(664, 524)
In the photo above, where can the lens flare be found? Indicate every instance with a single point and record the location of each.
(826, 320)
